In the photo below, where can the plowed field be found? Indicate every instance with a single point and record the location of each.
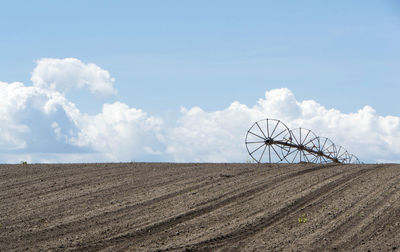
(199, 207)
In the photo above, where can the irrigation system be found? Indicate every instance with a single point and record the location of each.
(271, 141)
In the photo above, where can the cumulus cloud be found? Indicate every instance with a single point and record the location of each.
(69, 73)
(219, 135)
(40, 124)
(210, 136)
(13, 100)
(117, 133)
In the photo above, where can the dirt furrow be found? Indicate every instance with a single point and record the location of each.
(105, 218)
(91, 197)
(212, 205)
(250, 198)
(355, 214)
(55, 192)
(386, 215)
(35, 176)
(252, 228)
(30, 193)
(199, 207)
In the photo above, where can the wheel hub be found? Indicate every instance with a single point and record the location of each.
(269, 141)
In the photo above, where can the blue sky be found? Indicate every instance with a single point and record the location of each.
(165, 55)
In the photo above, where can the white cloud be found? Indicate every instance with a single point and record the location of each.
(122, 133)
(210, 136)
(65, 74)
(219, 135)
(13, 99)
(118, 131)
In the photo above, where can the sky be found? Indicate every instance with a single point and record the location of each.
(182, 81)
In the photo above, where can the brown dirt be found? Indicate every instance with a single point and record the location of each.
(199, 207)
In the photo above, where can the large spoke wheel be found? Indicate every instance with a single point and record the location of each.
(302, 147)
(264, 141)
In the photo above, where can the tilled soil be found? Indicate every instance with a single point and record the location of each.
(199, 207)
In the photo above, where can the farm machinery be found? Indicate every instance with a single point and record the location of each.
(271, 141)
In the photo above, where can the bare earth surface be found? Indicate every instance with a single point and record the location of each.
(199, 207)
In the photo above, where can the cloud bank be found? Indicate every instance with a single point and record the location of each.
(40, 124)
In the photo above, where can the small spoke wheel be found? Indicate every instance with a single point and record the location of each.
(353, 159)
(326, 150)
(302, 147)
(264, 141)
(341, 155)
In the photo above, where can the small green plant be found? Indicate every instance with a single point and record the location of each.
(24, 162)
(303, 219)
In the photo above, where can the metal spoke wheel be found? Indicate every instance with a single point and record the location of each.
(326, 150)
(341, 155)
(302, 147)
(353, 160)
(264, 141)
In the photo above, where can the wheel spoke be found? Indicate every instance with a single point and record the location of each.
(337, 153)
(304, 155)
(326, 139)
(300, 141)
(343, 153)
(310, 141)
(279, 133)
(261, 130)
(306, 137)
(277, 153)
(295, 139)
(276, 125)
(295, 156)
(314, 159)
(255, 142)
(257, 135)
(257, 149)
(262, 153)
(292, 152)
(269, 153)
